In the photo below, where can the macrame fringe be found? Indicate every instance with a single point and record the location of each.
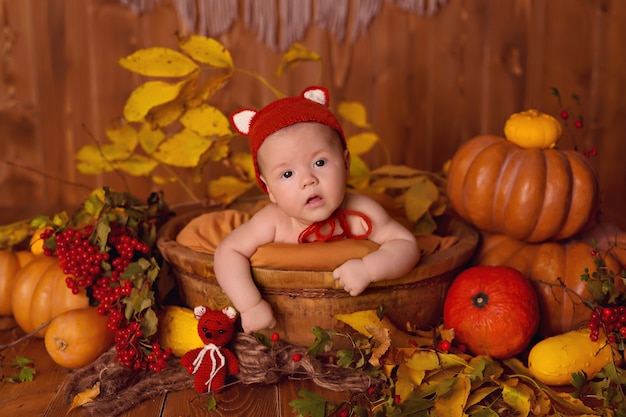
(122, 389)
(280, 23)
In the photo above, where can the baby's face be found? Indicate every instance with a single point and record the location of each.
(305, 169)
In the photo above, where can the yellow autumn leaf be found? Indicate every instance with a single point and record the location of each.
(123, 135)
(518, 396)
(363, 320)
(354, 112)
(96, 159)
(423, 360)
(419, 197)
(242, 162)
(217, 152)
(159, 62)
(149, 138)
(207, 51)
(396, 171)
(361, 143)
(479, 394)
(206, 120)
(161, 180)
(137, 165)
(396, 183)
(85, 396)
(211, 86)
(148, 96)
(227, 188)
(90, 161)
(359, 173)
(452, 403)
(167, 113)
(404, 384)
(183, 149)
(295, 54)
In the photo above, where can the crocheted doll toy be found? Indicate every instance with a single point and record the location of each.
(211, 364)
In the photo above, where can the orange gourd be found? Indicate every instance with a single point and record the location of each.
(40, 294)
(10, 264)
(550, 265)
(76, 338)
(530, 194)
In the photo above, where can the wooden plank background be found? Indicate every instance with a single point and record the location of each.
(429, 83)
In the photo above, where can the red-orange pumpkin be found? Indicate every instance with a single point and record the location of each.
(10, 264)
(529, 194)
(550, 265)
(493, 310)
(41, 294)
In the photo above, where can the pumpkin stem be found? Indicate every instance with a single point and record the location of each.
(480, 300)
(61, 344)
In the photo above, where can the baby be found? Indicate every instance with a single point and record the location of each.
(302, 163)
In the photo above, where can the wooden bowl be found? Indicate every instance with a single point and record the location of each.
(304, 299)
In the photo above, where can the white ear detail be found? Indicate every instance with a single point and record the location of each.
(230, 312)
(317, 95)
(199, 311)
(242, 119)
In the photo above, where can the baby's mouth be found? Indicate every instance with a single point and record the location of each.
(313, 199)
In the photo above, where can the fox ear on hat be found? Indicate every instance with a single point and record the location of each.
(241, 120)
(317, 94)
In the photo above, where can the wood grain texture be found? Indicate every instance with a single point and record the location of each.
(429, 84)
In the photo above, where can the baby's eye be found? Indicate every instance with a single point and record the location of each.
(287, 174)
(320, 163)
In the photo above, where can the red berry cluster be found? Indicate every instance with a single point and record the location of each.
(101, 273)
(612, 320)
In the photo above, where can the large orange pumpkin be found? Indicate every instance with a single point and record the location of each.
(10, 264)
(41, 294)
(76, 338)
(493, 310)
(530, 194)
(550, 265)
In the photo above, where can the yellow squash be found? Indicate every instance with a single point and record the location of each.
(554, 359)
(178, 329)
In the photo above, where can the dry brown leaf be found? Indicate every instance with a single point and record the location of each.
(85, 396)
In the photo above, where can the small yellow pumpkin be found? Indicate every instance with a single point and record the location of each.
(532, 129)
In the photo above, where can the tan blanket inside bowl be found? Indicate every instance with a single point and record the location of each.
(206, 231)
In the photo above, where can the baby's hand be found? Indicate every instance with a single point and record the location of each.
(353, 276)
(258, 317)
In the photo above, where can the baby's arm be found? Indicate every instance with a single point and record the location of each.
(232, 270)
(397, 255)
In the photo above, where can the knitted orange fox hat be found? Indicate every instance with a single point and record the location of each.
(310, 106)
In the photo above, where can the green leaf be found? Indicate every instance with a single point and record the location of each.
(345, 357)
(211, 403)
(321, 343)
(207, 51)
(159, 62)
(310, 404)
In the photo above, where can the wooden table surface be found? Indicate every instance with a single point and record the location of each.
(43, 396)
